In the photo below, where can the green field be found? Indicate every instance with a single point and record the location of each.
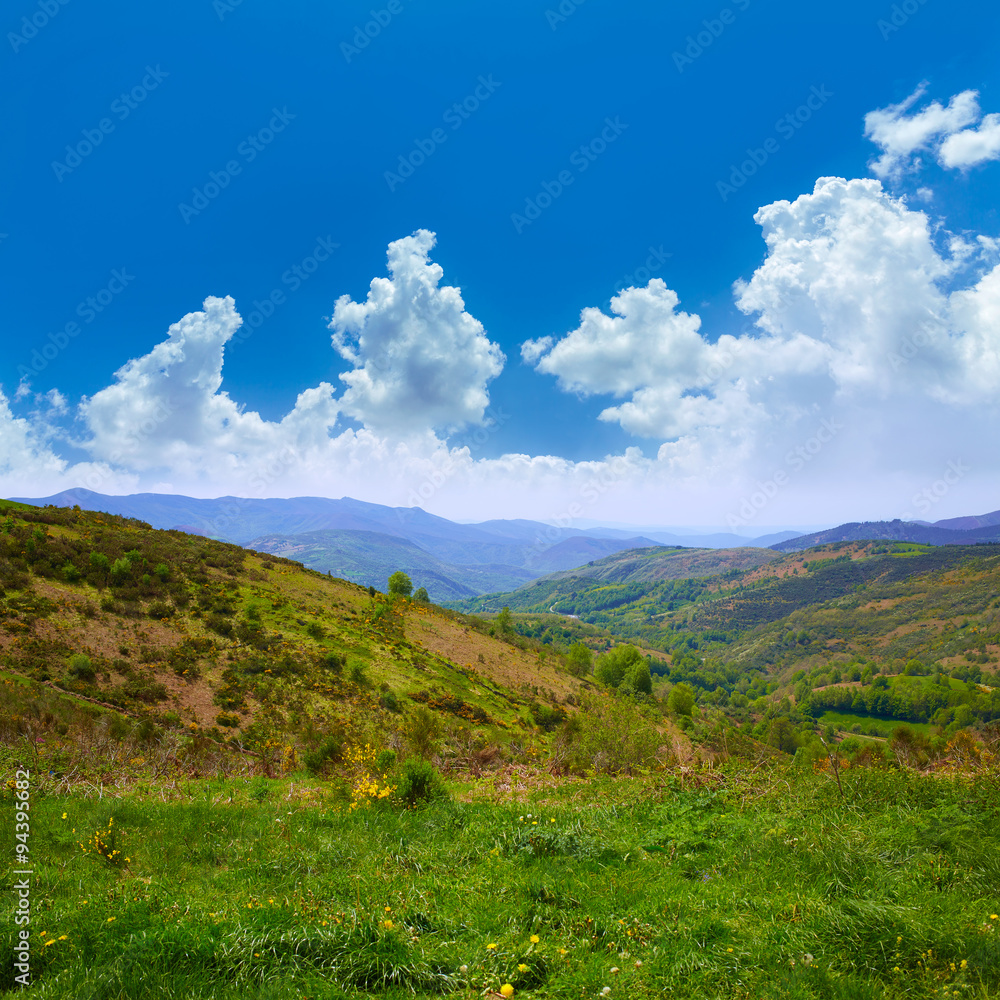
(845, 721)
(757, 884)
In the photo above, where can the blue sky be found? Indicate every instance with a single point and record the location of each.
(160, 156)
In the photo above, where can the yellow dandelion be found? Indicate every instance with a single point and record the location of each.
(964, 964)
(62, 937)
(521, 967)
(507, 990)
(64, 815)
(491, 946)
(111, 920)
(562, 951)
(387, 924)
(534, 939)
(47, 943)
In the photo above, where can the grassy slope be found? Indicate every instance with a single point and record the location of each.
(219, 614)
(763, 886)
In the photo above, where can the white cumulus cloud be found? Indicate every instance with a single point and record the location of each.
(972, 146)
(899, 135)
(421, 361)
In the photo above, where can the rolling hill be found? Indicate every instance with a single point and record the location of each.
(952, 531)
(459, 559)
(104, 617)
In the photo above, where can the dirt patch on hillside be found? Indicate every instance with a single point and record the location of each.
(502, 663)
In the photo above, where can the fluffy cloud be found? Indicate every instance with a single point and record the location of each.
(421, 361)
(859, 363)
(900, 135)
(973, 145)
(167, 410)
(855, 327)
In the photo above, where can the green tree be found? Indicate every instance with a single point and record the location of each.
(504, 622)
(614, 665)
(422, 595)
(638, 677)
(681, 700)
(579, 660)
(400, 584)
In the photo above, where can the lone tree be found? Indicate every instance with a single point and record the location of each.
(422, 596)
(400, 584)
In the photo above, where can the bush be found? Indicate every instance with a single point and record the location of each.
(421, 731)
(419, 782)
(329, 751)
(80, 667)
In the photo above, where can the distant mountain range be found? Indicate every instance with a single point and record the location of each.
(971, 530)
(365, 542)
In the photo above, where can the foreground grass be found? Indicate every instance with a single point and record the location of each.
(769, 886)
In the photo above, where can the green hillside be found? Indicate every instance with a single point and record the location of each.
(240, 778)
(893, 631)
(106, 622)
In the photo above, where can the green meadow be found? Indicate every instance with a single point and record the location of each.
(734, 882)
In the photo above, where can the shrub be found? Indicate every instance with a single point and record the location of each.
(421, 731)
(333, 662)
(329, 751)
(120, 570)
(356, 673)
(419, 782)
(80, 667)
(70, 573)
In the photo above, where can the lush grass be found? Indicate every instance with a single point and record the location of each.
(844, 721)
(267, 889)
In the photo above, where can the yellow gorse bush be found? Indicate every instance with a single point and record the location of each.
(368, 785)
(108, 844)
